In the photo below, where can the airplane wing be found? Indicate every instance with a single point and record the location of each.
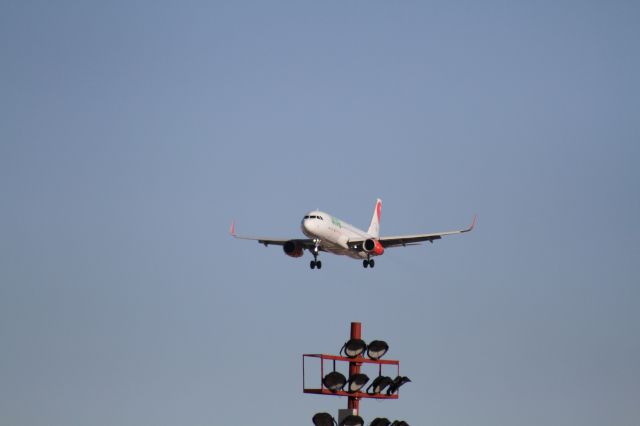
(407, 240)
(304, 242)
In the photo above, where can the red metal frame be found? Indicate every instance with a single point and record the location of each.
(354, 368)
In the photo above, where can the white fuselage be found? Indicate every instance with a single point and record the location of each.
(333, 234)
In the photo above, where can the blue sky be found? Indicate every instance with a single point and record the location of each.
(132, 133)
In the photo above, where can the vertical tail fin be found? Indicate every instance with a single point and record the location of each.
(374, 228)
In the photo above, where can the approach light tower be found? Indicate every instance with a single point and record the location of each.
(335, 383)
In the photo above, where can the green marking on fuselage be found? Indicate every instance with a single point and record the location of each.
(336, 222)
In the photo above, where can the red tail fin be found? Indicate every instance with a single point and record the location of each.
(374, 228)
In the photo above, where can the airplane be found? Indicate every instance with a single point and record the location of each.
(329, 234)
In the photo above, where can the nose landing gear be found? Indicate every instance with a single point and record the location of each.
(315, 263)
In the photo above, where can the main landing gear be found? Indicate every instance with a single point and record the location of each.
(368, 263)
(315, 263)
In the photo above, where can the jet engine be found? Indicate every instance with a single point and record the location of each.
(293, 248)
(373, 246)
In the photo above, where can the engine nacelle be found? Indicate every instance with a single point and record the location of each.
(373, 246)
(293, 248)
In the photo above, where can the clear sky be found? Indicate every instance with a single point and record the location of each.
(132, 133)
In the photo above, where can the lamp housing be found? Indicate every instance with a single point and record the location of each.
(334, 381)
(377, 349)
(379, 384)
(352, 420)
(323, 419)
(357, 382)
(380, 421)
(397, 382)
(354, 348)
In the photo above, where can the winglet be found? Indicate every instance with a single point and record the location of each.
(232, 230)
(473, 224)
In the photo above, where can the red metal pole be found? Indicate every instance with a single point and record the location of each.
(354, 367)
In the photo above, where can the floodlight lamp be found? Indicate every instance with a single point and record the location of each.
(380, 421)
(354, 348)
(379, 384)
(323, 419)
(397, 382)
(334, 381)
(352, 420)
(356, 382)
(377, 349)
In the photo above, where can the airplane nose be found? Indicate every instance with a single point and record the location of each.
(309, 226)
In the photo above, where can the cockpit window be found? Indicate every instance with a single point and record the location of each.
(313, 217)
(306, 217)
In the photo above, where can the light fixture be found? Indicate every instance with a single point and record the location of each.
(377, 349)
(323, 419)
(397, 382)
(352, 420)
(354, 348)
(380, 421)
(334, 381)
(356, 382)
(399, 423)
(378, 384)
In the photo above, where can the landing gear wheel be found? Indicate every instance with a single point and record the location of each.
(365, 263)
(312, 264)
(372, 263)
(318, 264)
